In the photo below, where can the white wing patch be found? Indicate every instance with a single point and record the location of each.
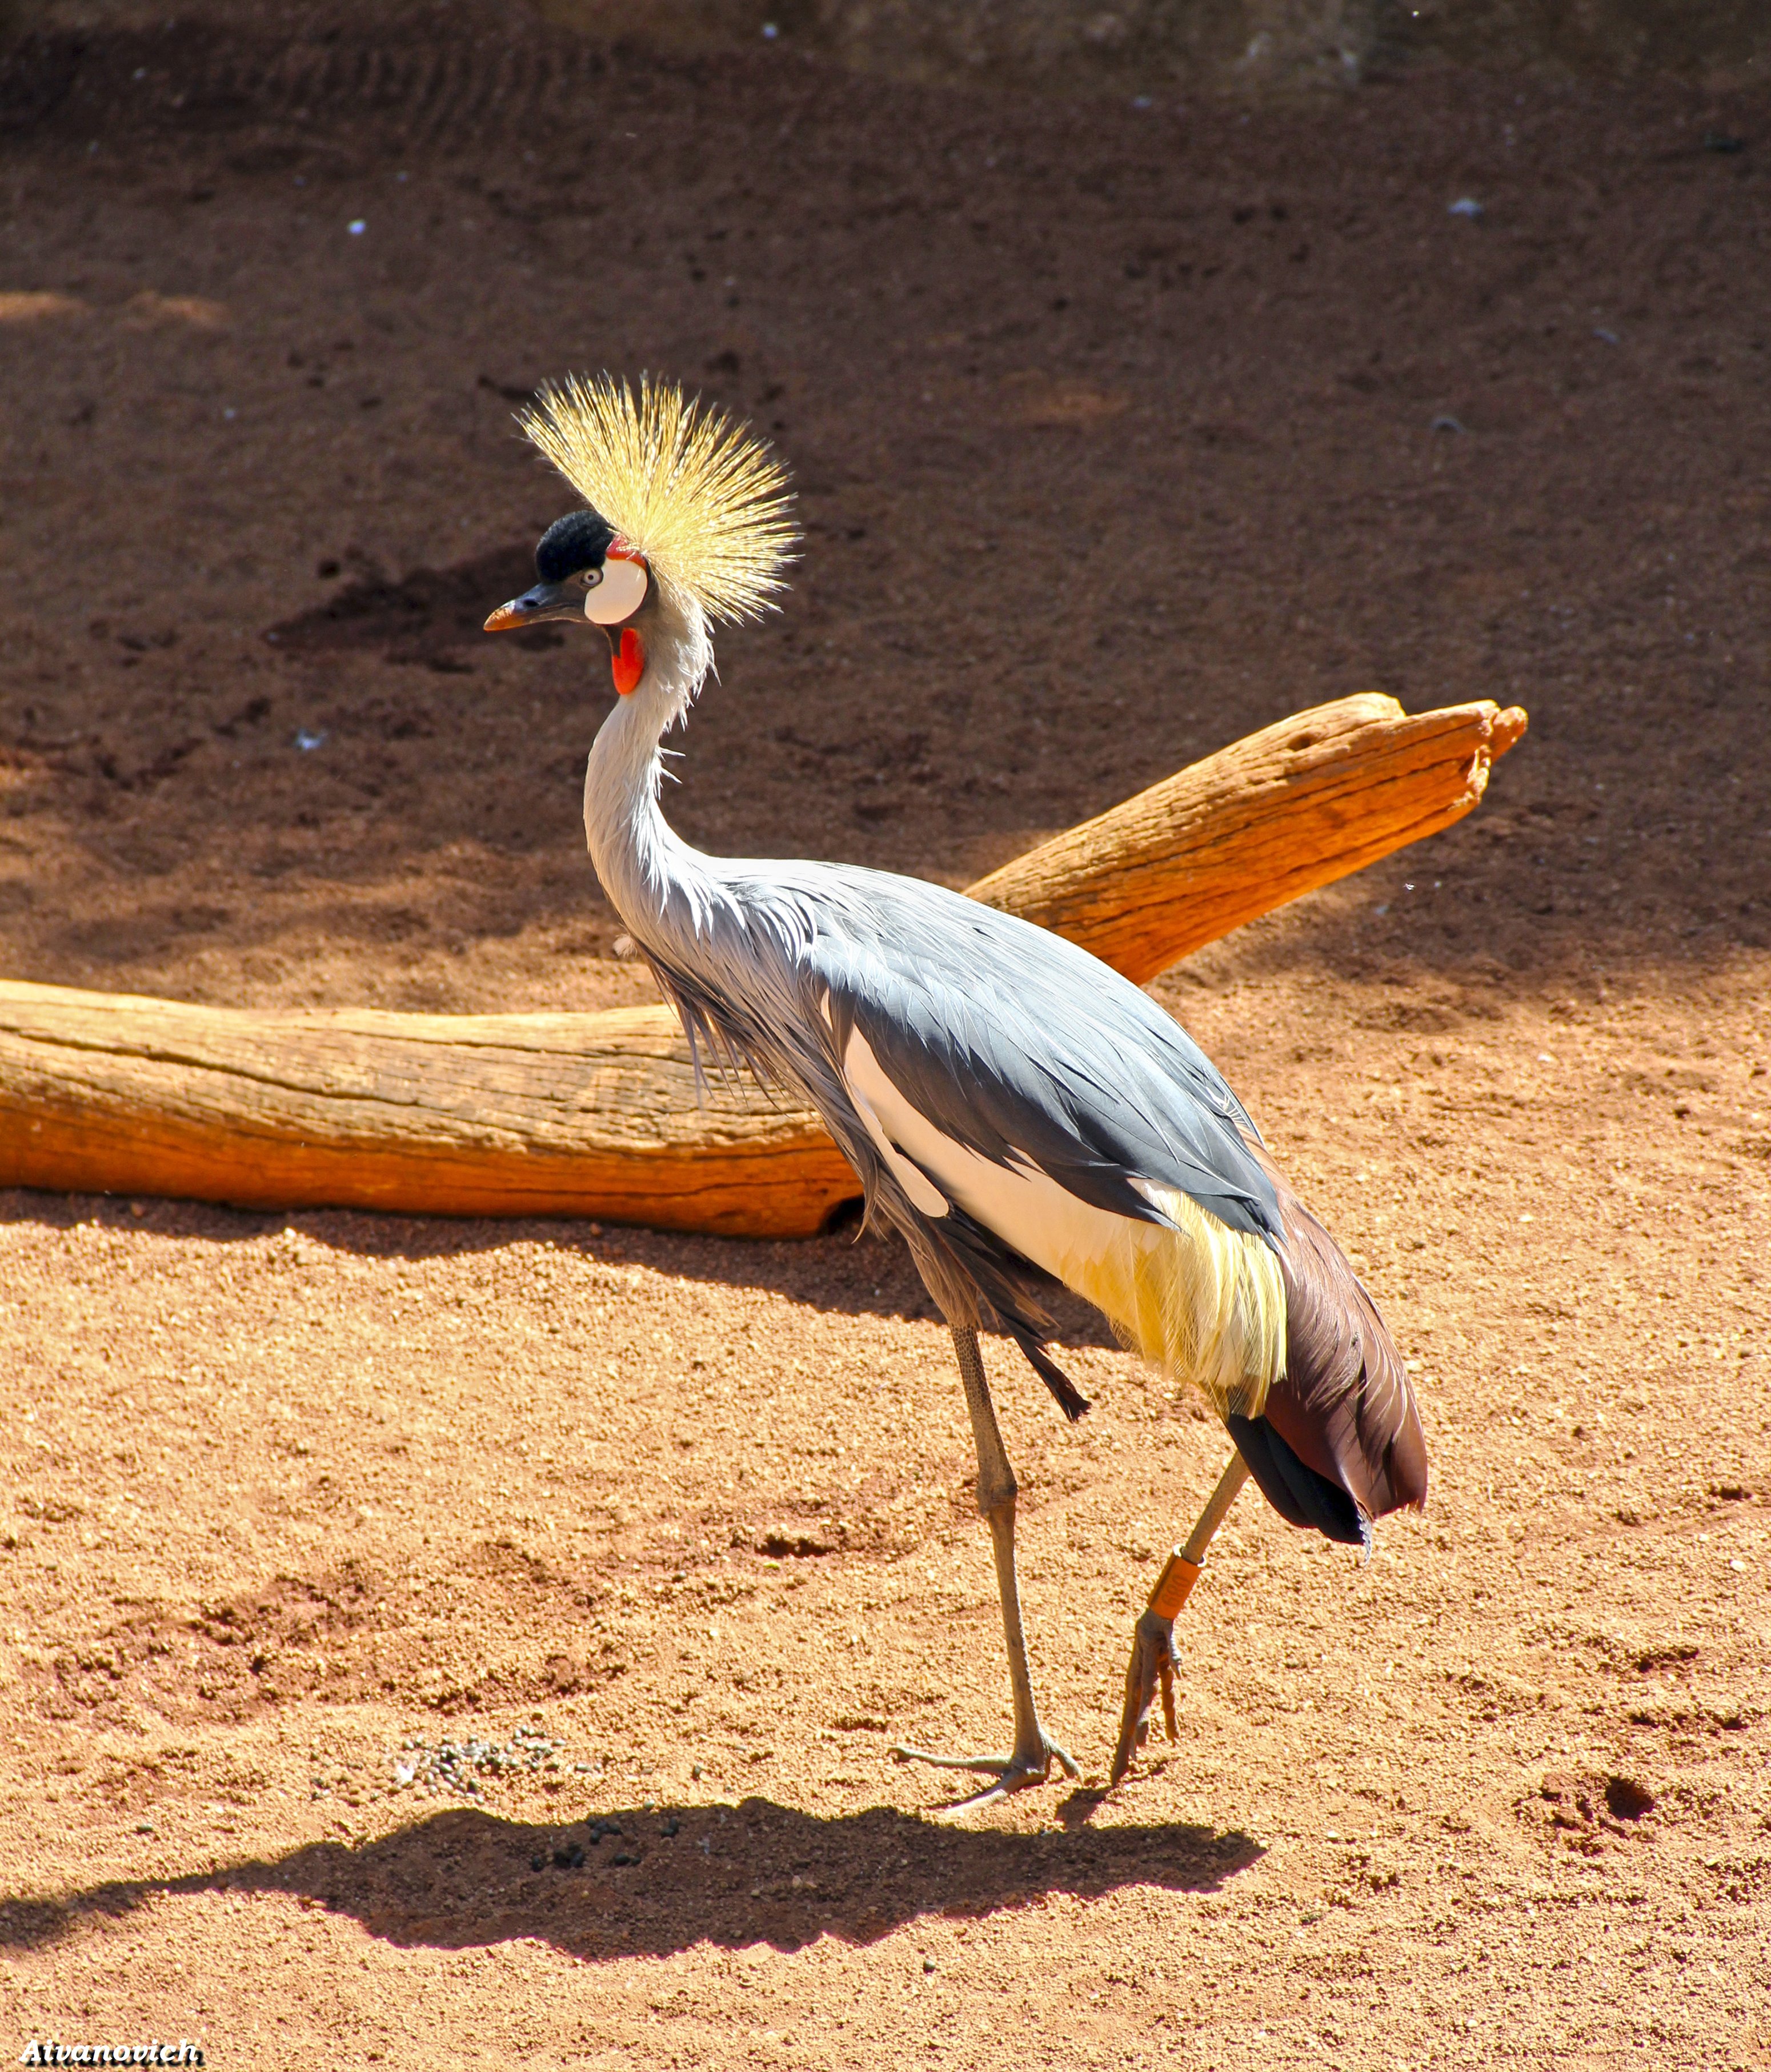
(864, 1078)
(1204, 1303)
(1026, 1208)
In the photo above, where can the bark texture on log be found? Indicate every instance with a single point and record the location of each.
(1297, 805)
(469, 1115)
(597, 1115)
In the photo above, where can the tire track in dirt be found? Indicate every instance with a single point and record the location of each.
(434, 86)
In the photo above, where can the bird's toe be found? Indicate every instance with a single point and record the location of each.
(1009, 1774)
(1151, 1668)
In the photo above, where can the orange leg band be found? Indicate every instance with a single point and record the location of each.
(1174, 1585)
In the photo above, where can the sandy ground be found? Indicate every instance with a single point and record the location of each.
(440, 1641)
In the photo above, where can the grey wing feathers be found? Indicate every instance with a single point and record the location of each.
(1012, 1041)
(1009, 1040)
(1025, 1049)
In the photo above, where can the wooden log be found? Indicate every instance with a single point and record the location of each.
(460, 1115)
(596, 1115)
(1296, 806)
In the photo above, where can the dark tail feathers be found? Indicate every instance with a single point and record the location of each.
(1071, 1398)
(1016, 1291)
(1339, 1441)
(1300, 1496)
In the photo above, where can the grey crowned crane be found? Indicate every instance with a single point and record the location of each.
(1019, 1113)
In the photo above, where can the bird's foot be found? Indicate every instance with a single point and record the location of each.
(1031, 1764)
(1153, 1661)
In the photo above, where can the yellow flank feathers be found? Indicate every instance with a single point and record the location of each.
(702, 498)
(1204, 1304)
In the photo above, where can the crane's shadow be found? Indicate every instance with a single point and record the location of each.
(653, 1881)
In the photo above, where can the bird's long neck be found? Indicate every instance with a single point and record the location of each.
(657, 883)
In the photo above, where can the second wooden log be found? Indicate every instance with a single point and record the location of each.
(1301, 803)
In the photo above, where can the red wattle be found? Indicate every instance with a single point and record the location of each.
(629, 662)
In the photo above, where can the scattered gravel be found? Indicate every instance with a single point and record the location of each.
(464, 1768)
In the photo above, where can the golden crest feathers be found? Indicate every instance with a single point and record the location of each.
(700, 496)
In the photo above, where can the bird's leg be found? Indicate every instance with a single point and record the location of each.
(1034, 1750)
(1154, 1657)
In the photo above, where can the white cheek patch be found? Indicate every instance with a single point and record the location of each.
(620, 593)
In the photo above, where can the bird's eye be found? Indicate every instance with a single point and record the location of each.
(588, 578)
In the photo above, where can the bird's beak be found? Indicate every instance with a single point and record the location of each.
(534, 606)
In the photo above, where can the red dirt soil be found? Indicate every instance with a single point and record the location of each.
(1114, 432)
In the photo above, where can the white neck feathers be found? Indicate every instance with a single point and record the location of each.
(646, 869)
